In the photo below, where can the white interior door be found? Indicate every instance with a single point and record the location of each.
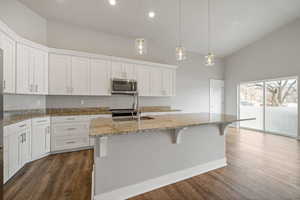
(216, 96)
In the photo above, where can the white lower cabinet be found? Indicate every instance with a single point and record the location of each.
(35, 138)
(40, 137)
(17, 147)
(5, 156)
(69, 132)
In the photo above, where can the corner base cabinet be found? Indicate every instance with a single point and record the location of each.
(17, 147)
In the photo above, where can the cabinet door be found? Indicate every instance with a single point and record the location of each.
(59, 74)
(5, 157)
(39, 140)
(40, 72)
(24, 69)
(129, 71)
(24, 146)
(80, 76)
(9, 61)
(156, 82)
(143, 77)
(100, 81)
(117, 70)
(167, 82)
(47, 139)
(13, 152)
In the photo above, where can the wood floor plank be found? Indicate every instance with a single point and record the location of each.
(260, 167)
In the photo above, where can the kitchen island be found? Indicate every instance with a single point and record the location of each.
(133, 157)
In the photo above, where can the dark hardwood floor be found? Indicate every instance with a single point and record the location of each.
(260, 167)
(57, 177)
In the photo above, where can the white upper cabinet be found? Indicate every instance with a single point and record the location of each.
(156, 82)
(168, 83)
(123, 70)
(9, 63)
(32, 70)
(162, 81)
(117, 70)
(68, 75)
(59, 74)
(130, 71)
(143, 79)
(41, 72)
(100, 77)
(80, 76)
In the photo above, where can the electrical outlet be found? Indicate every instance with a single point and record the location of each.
(82, 102)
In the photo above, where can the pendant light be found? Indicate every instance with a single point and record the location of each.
(141, 46)
(180, 50)
(210, 58)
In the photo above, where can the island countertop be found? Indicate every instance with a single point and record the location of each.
(107, 126)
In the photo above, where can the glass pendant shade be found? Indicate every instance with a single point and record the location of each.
(112, 2)
(141, 46)
(210, 59)
(180, 53)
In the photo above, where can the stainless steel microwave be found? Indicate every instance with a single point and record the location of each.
(124, 86)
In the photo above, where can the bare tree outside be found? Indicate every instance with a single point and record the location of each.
(281, 92)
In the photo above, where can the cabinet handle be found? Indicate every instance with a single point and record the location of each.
(22, 126)
(71, 142)
(71, 129)
(21, 138)
(24, 137)
(4, 84)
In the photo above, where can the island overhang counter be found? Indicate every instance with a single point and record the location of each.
(133, 157)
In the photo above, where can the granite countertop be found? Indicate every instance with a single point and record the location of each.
(106, 126)
(11, 117)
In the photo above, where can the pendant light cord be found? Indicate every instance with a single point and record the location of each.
(180, 23)
(209, 26)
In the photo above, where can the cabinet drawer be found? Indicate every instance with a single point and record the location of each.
(69, 143)
(70, 129)
(42, 120)
(18, 126)
(68, 119)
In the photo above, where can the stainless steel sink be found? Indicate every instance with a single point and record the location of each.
(124, 119)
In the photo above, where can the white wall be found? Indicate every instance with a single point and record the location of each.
(192, 76)
(276, 55)
(72, 37)
(23, 21)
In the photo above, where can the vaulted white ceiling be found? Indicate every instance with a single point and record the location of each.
(235, 23)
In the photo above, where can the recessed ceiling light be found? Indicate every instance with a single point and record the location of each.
(112, 2)
(151, 14)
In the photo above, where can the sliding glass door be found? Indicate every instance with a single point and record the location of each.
(251, 104)
(274, 104)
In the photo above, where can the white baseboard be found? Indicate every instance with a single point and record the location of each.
(146, 186)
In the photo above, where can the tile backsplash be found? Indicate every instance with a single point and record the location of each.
(23, 102)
